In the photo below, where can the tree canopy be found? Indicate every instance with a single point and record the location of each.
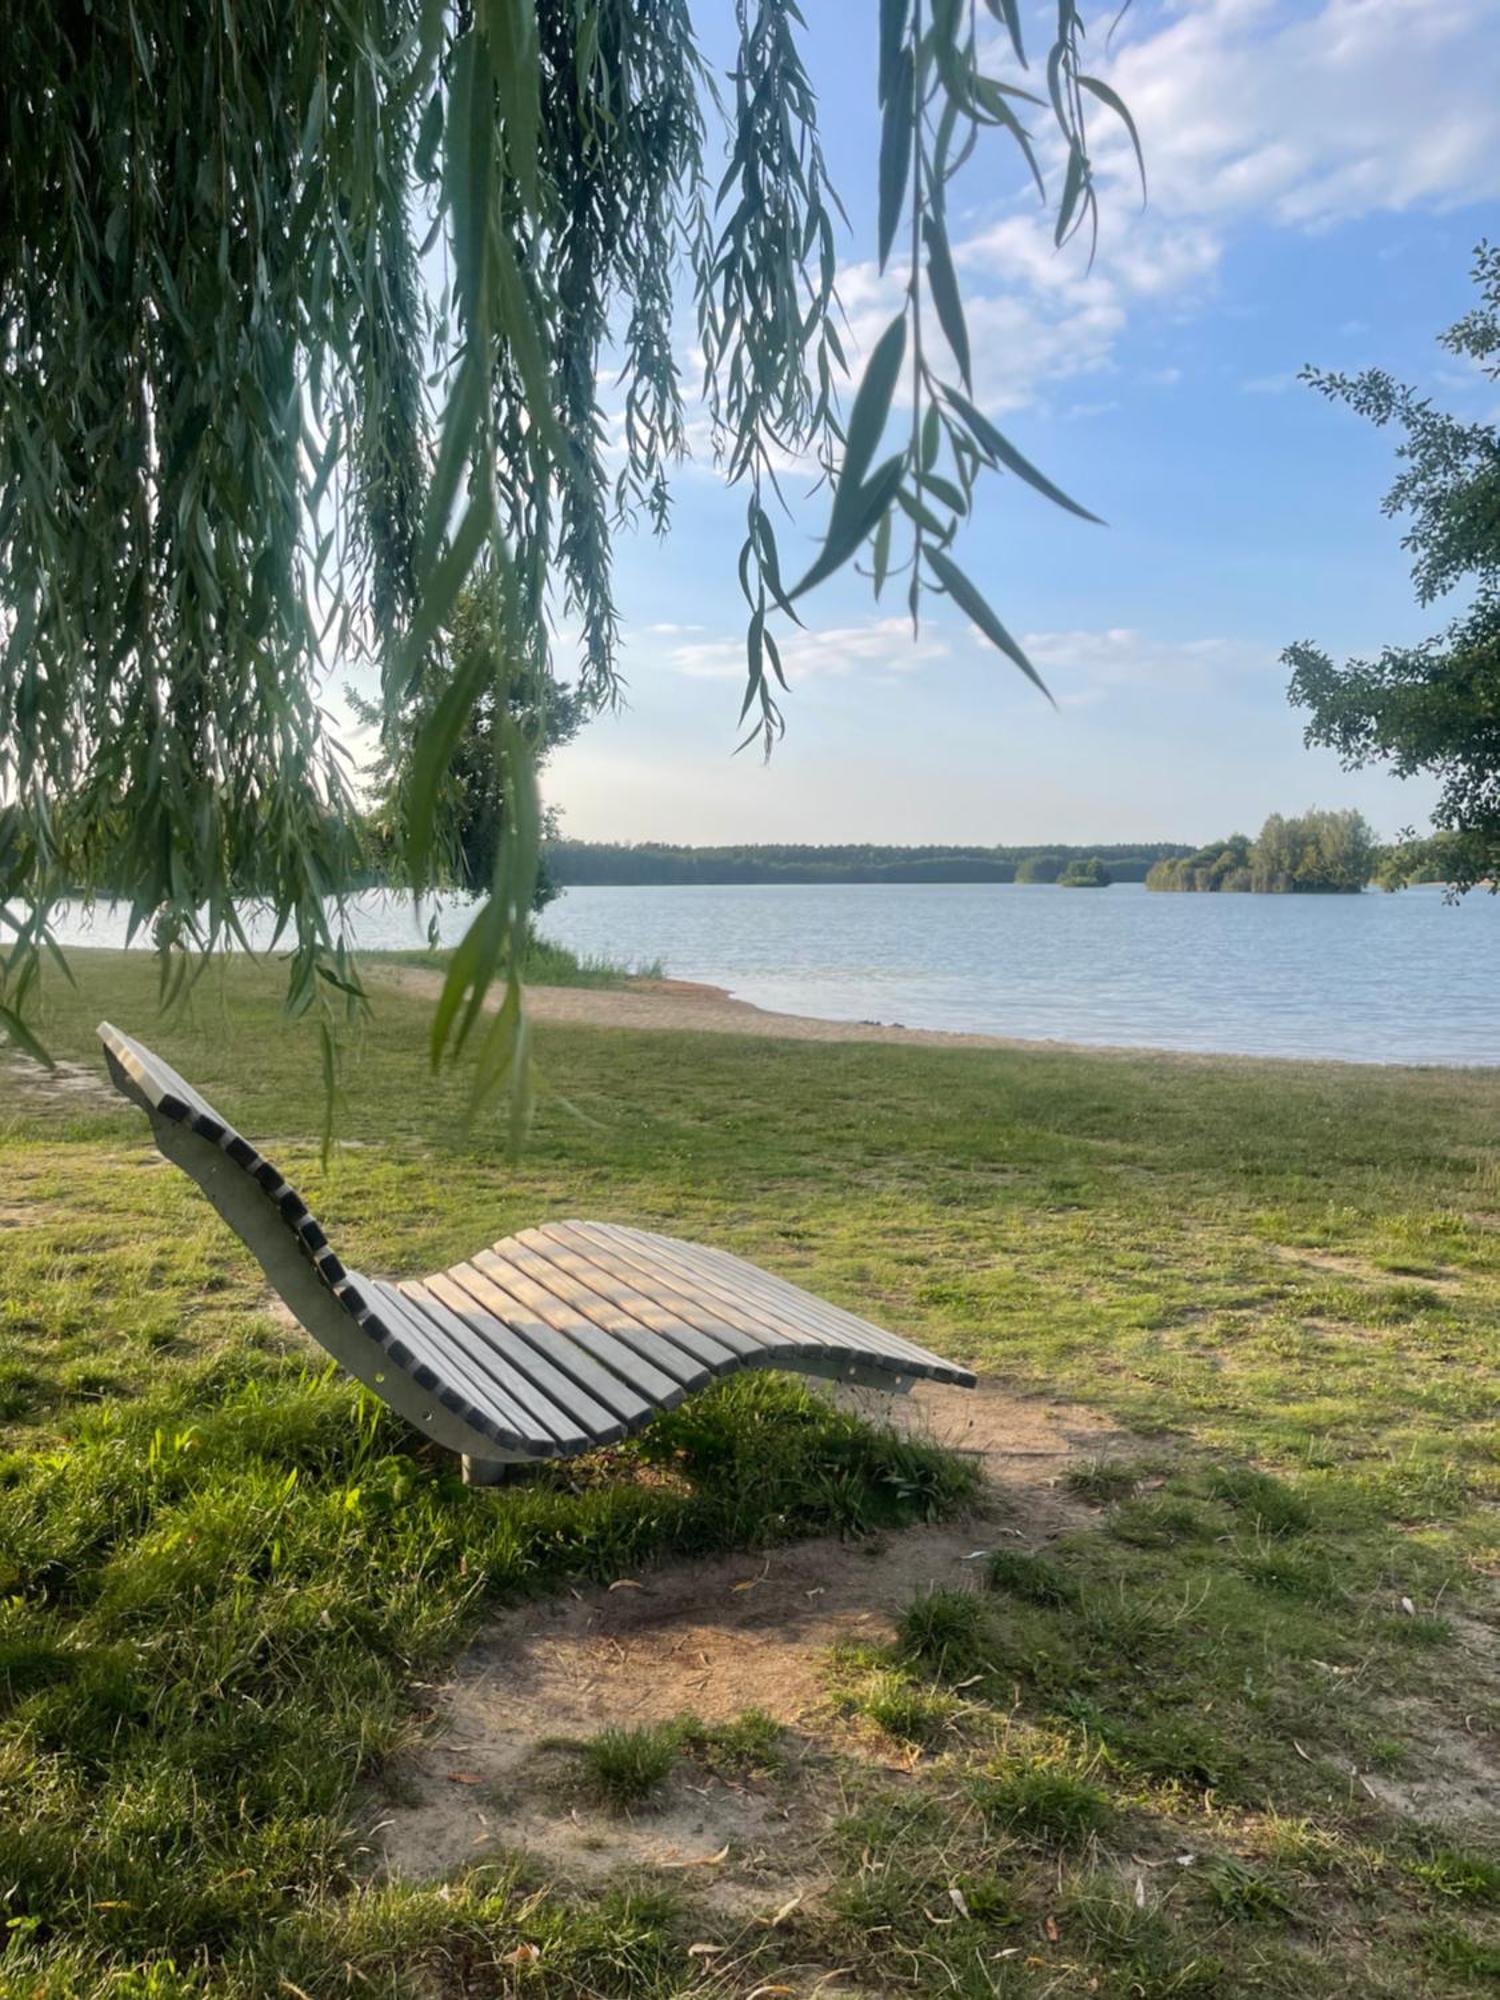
(306, 313)
(1311, 853)
(1434, 707)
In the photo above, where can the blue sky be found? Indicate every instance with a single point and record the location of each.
(1320, 172)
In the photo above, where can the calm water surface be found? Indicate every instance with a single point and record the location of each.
(1372, 978)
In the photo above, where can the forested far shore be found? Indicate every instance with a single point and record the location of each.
(592, 864)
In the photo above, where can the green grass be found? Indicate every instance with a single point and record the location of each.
(625, 1767)
(628, 1768)
(222, 1573)
(547, 964)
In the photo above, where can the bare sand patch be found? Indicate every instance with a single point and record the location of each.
(64, 1083)
(688, 1006)
(710, 1638)
(1337, 1264)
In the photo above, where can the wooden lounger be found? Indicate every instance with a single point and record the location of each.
(548, 1343)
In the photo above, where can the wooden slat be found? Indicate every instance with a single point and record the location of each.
(640, 1273)
(717, 1355)
(588, 1291)
(715, 1349)
(772, 1345)
(548, 1419)
(599, 1421)
(781, 1295)
(789, 1307)
(484, 1396)
(567, 1356)
(853, 1325)
(519, 1271)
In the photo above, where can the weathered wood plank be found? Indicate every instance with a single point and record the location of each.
(481, 1390)
(517, 1272)
(775, 1345)
(791, 1305)
(610, 1308)
(726, 1320)
(638, 1271)
(566, 1355)
(549, 1418)
(700, 1350)
(599, 1421)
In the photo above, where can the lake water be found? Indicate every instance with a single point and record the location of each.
(1371, 978)
(1374, 978)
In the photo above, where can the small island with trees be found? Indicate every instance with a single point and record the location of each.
(1090, 874)
(1312, 853)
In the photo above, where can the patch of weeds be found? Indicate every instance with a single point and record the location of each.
(1460, 1953)
(1103, 1481)
(625, 1767)
(1245, 1893)
(1459, 1877)
(749, 1744)
(1050, 1801)
(1035, 1579)
(1418, 1490)
(1310, 1850)
(1423, 1630)
(947, 1632)
(1121, 1627)
(1174, 1750)
(903, 1710)
(1290, 1573)
(1158, 1522)
(1270, 1504)
(1144, 1958)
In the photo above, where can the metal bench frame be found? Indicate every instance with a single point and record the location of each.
(547, 1344)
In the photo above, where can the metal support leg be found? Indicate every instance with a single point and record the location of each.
(486, 1471)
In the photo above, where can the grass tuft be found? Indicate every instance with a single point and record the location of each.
(626, 1767)
(1103, 1481)
(1044, 1800)
(1035, 1579)
(947, 1632)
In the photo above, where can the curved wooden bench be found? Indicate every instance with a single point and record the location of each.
(552, 1341)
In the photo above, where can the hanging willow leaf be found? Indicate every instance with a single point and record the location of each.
(857, 519)
(1111, 97)
(974, 606)
(1000, 451)
(871, 411)
(22, 1036)
(895, 152)
(944, 282)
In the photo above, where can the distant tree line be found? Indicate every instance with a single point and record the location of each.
(598, 863)
(1311, 853)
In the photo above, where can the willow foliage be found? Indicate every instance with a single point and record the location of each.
(305, 313)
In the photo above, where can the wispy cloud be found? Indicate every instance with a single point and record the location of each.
(877, 646)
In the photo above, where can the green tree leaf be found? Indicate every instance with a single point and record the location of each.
(1000, 451)
(972, 603)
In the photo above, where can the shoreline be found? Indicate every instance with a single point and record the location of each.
(685, 1006)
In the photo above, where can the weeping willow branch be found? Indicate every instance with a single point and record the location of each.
(303, 317)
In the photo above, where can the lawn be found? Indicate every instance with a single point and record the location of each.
(1214, 1739)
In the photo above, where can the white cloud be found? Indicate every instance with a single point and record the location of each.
(1250, 111)
(1312, 116)
(1085, 667)
(878, 646)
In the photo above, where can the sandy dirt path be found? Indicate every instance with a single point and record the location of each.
(680, 1004)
